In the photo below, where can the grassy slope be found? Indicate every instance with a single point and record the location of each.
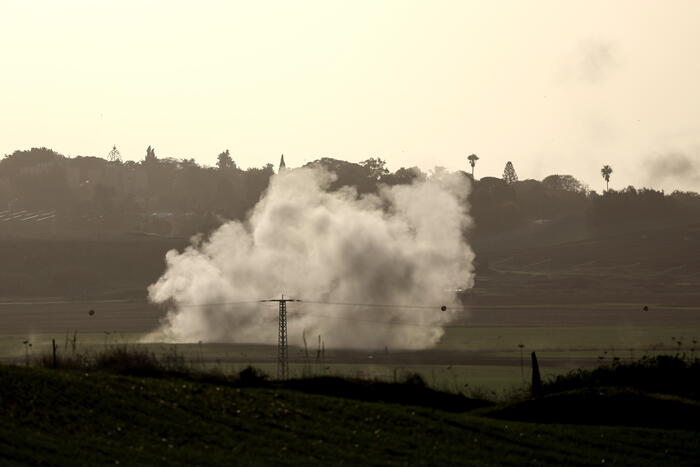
(60, 417)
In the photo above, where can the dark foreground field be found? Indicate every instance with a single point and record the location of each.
(60, 417)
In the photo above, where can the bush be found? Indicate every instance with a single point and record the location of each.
(251, 376)
(662, 374)
(124, 360)
(415, 379)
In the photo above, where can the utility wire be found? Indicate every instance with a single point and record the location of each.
(389, 323)
(190, 305)
(313, 302)
(250, 302)
(373, 305)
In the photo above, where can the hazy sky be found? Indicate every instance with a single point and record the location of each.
(555, 87)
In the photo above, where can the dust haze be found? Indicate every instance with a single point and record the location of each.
(592, 61)
(679, 168)
(402, 247)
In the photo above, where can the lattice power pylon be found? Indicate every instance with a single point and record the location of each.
(282, 348)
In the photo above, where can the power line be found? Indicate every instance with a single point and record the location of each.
(245, 302)
(282, 345)
(312, 302)
(376, 305)
(217, 304)
(389, 323)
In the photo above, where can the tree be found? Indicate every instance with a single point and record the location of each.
(18, 160)
(404, 176)
(494, 204)
(376, 167)
(347, 174)
(606, 171)
(564, 183)
(114, 155)
(188, 164)
(509, 175)
(472, 161)
(150, 156)
(225, 161)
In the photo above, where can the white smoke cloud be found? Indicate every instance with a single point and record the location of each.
(403, 247)
(592, 61)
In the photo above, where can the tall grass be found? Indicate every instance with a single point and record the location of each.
(119, 358)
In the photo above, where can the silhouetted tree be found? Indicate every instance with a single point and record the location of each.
(606, 171)
(256, 182)
(150, 156)
(347, 174)
(114, 155)
(633, 206)
(509, 175)
(403, 176)
(564, 183)
(188, 163)
(472, 161)
(494, 204)
(18, 160)
(225, 161)
(375, 167)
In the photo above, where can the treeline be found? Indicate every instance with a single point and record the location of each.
(498, 205)
(504, 204)
(178, 197)
(167, 196)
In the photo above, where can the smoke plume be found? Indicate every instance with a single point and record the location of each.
(593, 61)
(403, 247)
(680, 168)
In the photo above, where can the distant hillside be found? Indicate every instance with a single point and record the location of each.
(85, 227)
(659, 264)
(104, 267)
(551, 262)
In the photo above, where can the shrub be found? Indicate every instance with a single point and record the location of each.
(251, 376)
(663, 374)
(124, 360)
(415, 379)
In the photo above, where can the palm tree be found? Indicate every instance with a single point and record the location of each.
(472, 161)
(605, 172)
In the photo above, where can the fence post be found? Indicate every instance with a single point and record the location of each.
(53, 346)
(536, 379)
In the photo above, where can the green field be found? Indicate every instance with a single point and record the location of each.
(484, 358)
(76, 418)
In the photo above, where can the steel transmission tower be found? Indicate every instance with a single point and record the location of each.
(282, 348)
